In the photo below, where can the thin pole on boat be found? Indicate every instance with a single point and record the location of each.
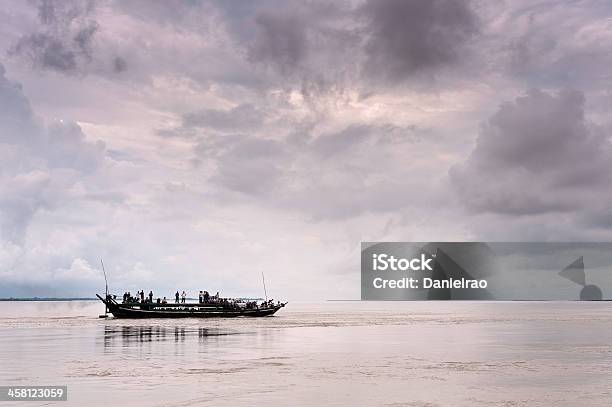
(264, 284)
(106, 282)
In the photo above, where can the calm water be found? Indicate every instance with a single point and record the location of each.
(334, 353)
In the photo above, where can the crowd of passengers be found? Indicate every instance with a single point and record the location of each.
(204, 297)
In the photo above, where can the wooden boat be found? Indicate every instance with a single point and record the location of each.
(191, 310)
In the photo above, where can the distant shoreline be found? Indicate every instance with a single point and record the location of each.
(49, 299)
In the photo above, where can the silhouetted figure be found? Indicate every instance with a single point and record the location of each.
(201, 297)
(158, 300)
(151, 296)
(141, 295)
(176, 297)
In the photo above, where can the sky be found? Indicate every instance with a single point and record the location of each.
(196, 144)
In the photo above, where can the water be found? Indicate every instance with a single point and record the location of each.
(333, 353)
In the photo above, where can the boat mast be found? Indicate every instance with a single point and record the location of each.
(263, 279)
(106, 283)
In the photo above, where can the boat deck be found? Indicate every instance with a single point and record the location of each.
(184, 310)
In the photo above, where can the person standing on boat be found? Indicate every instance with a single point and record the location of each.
(183, 297)
(141, 295)
(201, 297)
(176, 297)
(151, 296)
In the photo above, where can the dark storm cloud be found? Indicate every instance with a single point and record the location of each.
(555, 44)
(63, 12)
(537, 154)
(386, 40)
(329, 145)
(22, 196)
(59, 144)
(47, 52)
(67, 40)
(252, 166)
(302, 40)
(281, 41)
(326, 177)
(83, 38)
(408, 36)
(39, 162)
(18, 122)
(64, 40)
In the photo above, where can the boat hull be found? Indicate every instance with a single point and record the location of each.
(183, 310)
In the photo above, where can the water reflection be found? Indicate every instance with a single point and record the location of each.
(179, 334)
(130, 334)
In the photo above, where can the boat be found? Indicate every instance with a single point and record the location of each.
(187, 310)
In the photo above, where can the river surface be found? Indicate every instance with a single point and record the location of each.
(331, 353)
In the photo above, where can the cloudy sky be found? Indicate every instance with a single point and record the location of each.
(193, 145)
